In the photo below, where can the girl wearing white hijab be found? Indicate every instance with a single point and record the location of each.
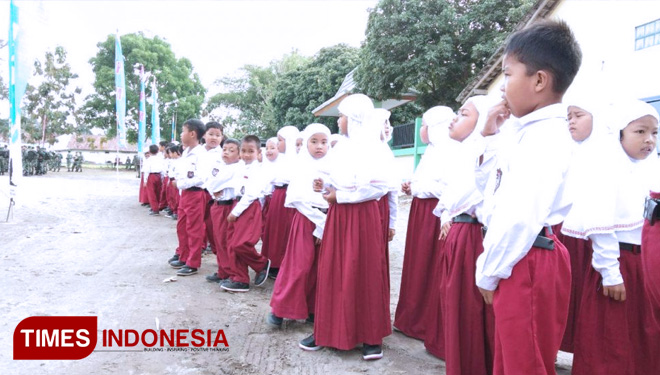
(352, 303)
(468, 322)
(423, 227)
(272, 154)
(591, 159)
(278, 219)
(615, 332)
(294, 292)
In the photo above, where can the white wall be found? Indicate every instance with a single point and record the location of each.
(606, 32)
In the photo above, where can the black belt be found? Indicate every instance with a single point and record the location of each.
(172, 179)
(282, 187)
(225, 203)
(154, 173)
(541, 240)
(652, 210)
(465, 218)
(194, 188)
(635, 249)
(324, 210)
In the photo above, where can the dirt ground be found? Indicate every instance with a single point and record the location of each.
(80, 244)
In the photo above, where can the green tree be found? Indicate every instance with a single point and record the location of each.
(301, 90)
(51, 105)
(433, 47)
(175, 79)
(250, 94)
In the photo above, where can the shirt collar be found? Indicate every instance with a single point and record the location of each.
(557, 110)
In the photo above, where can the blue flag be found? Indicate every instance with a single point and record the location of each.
(173, 127)
(142, 115)
(120, 93)
(155, 120)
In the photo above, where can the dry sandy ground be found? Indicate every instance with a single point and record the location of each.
(80, 244)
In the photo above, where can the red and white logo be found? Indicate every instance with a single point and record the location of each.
(55, 337)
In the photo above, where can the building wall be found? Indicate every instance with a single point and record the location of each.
(611, 67)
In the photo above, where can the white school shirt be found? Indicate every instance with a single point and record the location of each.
(154, 164)
(460, 195)
(424, 183)
(221, 179)
(189, 172)
(247, 183)
(528, 191)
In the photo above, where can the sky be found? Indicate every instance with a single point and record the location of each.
(218, 37)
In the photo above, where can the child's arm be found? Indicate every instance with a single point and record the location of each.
(605, 260)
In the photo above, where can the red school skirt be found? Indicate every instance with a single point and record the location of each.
(421, 238)
(352, 297)
(276, 228)
(294, 292)
(651, 260)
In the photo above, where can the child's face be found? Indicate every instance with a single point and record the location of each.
(424, 133)
(342, 123)
(213, 137)
(639, 137)
(464, 123)
(518, 87)
(317, 145)
(271, 151)
(249, 152)
(174, 155)
(580, 123)
(299, 143)
(187, 137)
(230, 153)
(281, 144)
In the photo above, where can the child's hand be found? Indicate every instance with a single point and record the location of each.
(444, 230)
(496, 117)
(217, 194)
(405, 188)
(231, 218)
(331, 195)
(173, 183)
(318, 185)
(390, 234)
(488, 295)
(616, 292)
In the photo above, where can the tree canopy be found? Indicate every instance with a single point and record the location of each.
(175, 79)
(432, 47)
(51, 105)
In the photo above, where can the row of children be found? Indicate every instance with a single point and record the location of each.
(542, 240)
(521, 241)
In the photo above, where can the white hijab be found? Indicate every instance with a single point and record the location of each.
(285, 160)
(608, 187)
(380, 118)
(307, 169)
(355, 161)
(435, 158)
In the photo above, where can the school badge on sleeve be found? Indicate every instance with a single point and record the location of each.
(498, 179)
(214, 172)
(191, 174)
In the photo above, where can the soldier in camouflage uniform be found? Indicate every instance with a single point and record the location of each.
(77, 162)
(69, 159)
(4, 160)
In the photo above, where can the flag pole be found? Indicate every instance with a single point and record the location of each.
(14, 120)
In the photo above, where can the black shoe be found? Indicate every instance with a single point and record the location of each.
(177, 264)
(274, 320)
(310, 318)
(214, 278)
(175, 217)
(272, 273)
(153, 213)
(143, 204)
(260, 278)
(309, 344)
(173, 258)
(186, 271)
(370, 352)
(234, 286)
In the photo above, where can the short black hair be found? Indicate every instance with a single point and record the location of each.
(174, 149)
(252, 138)
(164, 143)
(548, 45)
(233, 141)
(195, 125)
(153, 149)
(214, 125)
